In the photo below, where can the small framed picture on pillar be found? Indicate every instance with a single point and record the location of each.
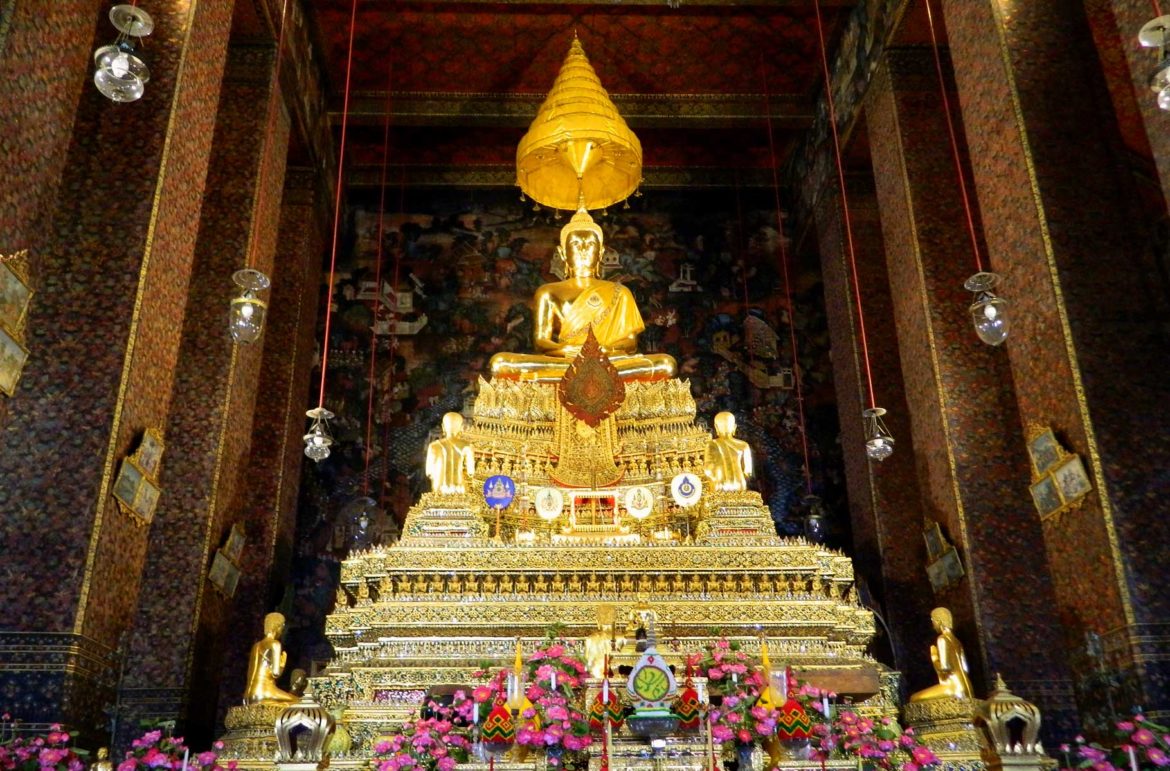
(136, 493)
(15, 293)
(1046, 496)
(13, 356)
(1044, 451)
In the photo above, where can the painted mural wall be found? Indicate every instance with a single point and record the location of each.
(459, 270)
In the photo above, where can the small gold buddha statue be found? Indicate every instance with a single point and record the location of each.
(949, 662)
(265, 664)
(565, 310)
(449, 458)
(103, 762)
(729, 460)
(602, 642)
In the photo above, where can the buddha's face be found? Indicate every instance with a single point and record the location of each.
(583, 251)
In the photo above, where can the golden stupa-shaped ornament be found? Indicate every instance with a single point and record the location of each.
(578, 151)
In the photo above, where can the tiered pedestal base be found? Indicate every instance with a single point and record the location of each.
(251, 732)
(947, 726)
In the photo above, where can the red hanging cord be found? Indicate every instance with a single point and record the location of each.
(844, 204)
(1157, 8)
(787, 284)
(942, 87)
(337, 205)
(378, 283)
(266, 159)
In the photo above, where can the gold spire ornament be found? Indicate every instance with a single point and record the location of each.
(579, 150)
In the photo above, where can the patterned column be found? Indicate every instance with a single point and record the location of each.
(884, 499)
(38, 100)
(273, 467)
(104, 332)
(1058, 214)
(972, 456)
(181, 623)
(1127, 65)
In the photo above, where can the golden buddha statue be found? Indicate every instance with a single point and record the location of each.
(565, 310)
(103, 762)
(949, 662)
(265, 664)
(729, 460)
(602, 642)
(449, 458)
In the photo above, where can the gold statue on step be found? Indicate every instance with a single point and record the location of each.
(729, 460)
(565, 310)
(602, 642)
(449, 458)
(949, 662)
(265, 665)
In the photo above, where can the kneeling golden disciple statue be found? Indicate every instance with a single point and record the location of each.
(565, 310)
(949, 662)
(450, 457)
(729, 460)
(265, 664)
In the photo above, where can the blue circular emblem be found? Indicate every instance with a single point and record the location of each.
(499, 491)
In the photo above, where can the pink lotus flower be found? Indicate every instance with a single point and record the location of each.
(923, 756)
(1157, 757)
(1144, 737)
(556, 651)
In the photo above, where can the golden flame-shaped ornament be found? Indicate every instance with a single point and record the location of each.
(578, 150)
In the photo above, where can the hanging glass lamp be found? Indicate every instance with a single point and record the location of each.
(989, 311)
(1155, 33)
(879, 443)
(118, 74)
(246, 321)
(318, 441)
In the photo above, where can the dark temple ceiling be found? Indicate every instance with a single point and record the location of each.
(461, 81)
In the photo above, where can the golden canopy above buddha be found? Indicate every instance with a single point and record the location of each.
(566, 310)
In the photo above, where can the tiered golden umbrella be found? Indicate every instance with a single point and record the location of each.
(578, 152)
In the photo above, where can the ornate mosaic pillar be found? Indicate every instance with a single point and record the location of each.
(181, 624)
(972, 457)
(38, 101)
(1058, 211)
(884, 498)
(104, 332)
(273, 468)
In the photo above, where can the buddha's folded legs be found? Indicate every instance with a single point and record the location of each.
(537, 368)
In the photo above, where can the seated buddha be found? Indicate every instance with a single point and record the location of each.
(565, 310)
